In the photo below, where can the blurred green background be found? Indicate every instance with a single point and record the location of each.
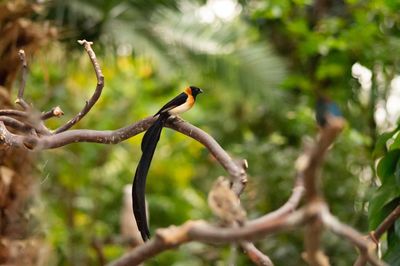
(260, 64)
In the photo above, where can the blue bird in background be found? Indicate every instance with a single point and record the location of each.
(325, 110)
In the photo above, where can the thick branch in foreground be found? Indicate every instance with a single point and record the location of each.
(174, 236)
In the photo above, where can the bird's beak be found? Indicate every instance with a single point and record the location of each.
(201, 91)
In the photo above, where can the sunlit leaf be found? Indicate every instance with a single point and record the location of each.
(383, 202)
(387, 165)
(380, 145)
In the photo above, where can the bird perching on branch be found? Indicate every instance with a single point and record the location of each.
(180, 104)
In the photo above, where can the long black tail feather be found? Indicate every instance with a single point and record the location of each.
(149, 144)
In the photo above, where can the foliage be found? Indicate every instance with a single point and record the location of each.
(387, 196)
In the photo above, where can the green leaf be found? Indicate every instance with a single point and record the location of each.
(384, 201)
(392, 255)
(380, 146)
(397, 173)
(397, 228)
(387, 165)
(396, 143)
(393, 234)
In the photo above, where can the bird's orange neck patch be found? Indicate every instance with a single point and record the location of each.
(188, 91)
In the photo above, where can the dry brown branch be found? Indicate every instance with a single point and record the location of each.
(386, 223)
(237, 172)
(8, 139)
(350, 234)
(11, 112)
(255, 255)
(98, 248)
(96, 95)
(310, 169)
(290, 205)
(54, 112)
(374, 236)
(20, 99)
(316, 157)
(15, 124)
(174, 236)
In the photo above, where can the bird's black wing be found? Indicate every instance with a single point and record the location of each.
(149, 144)
(178, 100)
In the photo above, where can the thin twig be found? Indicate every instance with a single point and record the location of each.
(98, 248)
(15, 124)
(237, 173)
(54, 112)
(20, 100)
(374, 236)
(387, 223)
(290, 205)
(96, 95)
(255, 255)
(12, 112)
(350, 234)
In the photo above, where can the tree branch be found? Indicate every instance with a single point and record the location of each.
(174, 236)
(386, 223)
(12, 112)
(291, 204)
(310, 169)
(96, 95)
(54, 112)
(15, 124)
(350, 234)
(20, 100)
(237, 173)
(374, 236)
(8, 139)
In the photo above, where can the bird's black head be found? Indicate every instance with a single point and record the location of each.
(195, 91)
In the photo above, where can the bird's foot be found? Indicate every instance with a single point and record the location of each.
(177, 119)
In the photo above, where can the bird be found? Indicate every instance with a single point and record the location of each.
(180, 104)
(326, 110)
(225, 204)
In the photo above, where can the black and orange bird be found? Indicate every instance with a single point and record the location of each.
(180, 104)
